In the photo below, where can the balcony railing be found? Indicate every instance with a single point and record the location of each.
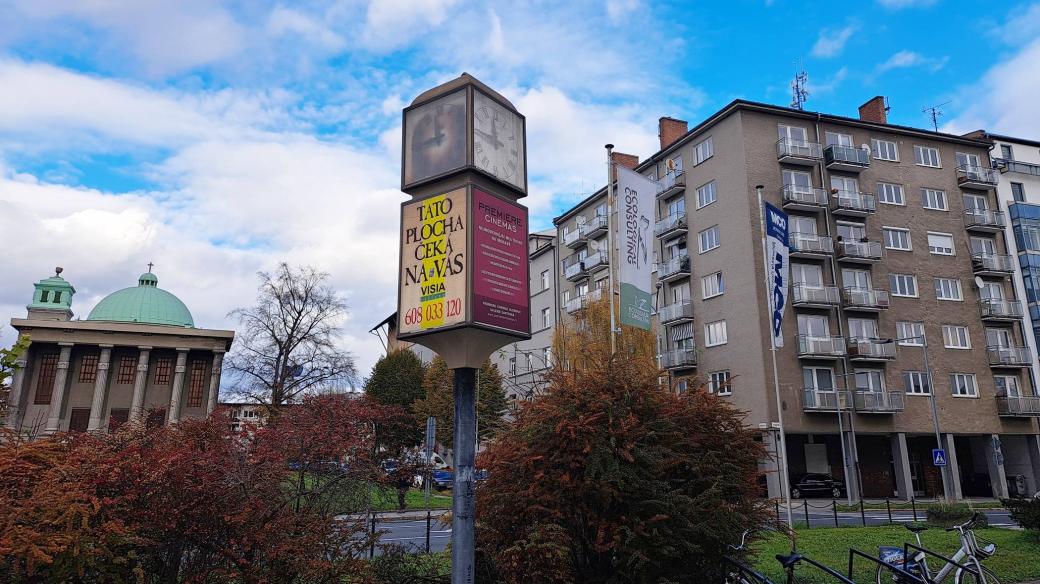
(853, 203)
(1000, 356)
(863, 299)
(847, 158)
(815, 400)
(878, 402)
(595, 226)
(992, 264)
(573, 238)
(969, 175)
(859, 251)
(803, 197)
(1026, 406)
(671, 184)
(595, 260)
(680, 311)
(814, 296)
(798, 151)
(810, 346)
(871, 349)
(575, 267)
(1005, 165)
(575, 304)
(810, 244)
(674, 224)
(674, 268)
(679, 359)
(998, 309)
(984, 220)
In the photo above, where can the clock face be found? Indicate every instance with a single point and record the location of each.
(498, 140)
(435, 138)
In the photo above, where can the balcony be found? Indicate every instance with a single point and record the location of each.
(575, 267)
(984, 220)
(804, 296)
(1004, 165)
(878, 402)
(864, 300)
(1009, 356)
(674, 269)
(846, 158)
(813, 347)
(800, 152)
(672, 184)
(803, 198)
(594, 227)
(810, 245)
(573, 239)
(575, 304)
(852, 204)
(992, 264)
(596, 261)
(676, 313)
(861, 349)
(671, 226)
(860, 252)
(679, 359)
(977, 177)
(1018, 407)
(815, 400)
(998, 309)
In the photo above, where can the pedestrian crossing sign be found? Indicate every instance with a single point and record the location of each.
(938, 457)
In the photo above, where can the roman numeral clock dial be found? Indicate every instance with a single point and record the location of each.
(498, 137)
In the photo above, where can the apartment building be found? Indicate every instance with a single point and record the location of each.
(896, 243)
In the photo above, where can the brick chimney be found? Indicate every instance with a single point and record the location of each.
(670, 129)
(629, 161)
(874, 111)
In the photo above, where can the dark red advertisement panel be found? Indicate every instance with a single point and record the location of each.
(500, 278)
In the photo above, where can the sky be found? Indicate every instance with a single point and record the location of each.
(218, 138)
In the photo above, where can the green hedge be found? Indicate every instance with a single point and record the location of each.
(1025, 512)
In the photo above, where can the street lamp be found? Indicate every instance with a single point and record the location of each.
(841, 440)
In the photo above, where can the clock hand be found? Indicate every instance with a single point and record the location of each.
(494, 136)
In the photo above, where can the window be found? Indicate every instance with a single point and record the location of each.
(45, 379)
(845, 184)
(794, 135)
(856, 279)
(910, 333)
(799, 180)
(718, 383)
(903, 285)
(711, 285)
(706, 195)
(956, 336)
(986, 245)
(677, 206)
(163, 368)
(45, 296)
(836, 139)
(1006, 386)
(512, 366)
(57, 296)
(890, 193)
(884, 150)
(703, 151)
(818, 378)
(1006, 152)
(715, 333)
(863, 328)
(975, 203)
(813, 325)
(88, 367)
(940, 243)
(968, 160)
(1018, 192)
(547, 356)
(546, 319)
(807, 275)
(925, 156)
(934, 199)
(196, 382)
(127, 366)
(709, 239)
(897, 238)
(870, 380)
(917, 383)
(963, 385)
(948, 289)
(545, 279)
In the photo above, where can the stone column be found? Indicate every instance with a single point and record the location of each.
(901, 463)
(58, 392)
(214, 381)
(953, 472)
(770, 465)
(15, 398)
(178, 386)
(137, 401)
(853, 478)
(97, 407)
(995, 464)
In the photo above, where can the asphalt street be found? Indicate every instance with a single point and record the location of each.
(412, 534)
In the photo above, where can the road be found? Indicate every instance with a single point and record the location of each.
(412, 534)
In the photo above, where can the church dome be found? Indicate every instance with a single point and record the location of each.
(145, 303)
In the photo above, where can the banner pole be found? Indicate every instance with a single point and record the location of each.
(610, 244)
(784, 474)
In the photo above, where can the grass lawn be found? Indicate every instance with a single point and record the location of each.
(1017, 558)
(386, 500)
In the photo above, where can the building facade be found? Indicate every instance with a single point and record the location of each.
(137, 356)
(897, 250)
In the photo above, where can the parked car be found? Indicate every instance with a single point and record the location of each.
(817, 485)
(443, 479)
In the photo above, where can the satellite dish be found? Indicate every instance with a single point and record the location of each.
(979, 283)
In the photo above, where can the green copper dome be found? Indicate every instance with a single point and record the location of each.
(145, 304)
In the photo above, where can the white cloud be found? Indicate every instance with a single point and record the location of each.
(1004, 100)
(1020, 24)
(831, 42)
(899, 4)
(829, 84)
(286, 21)
(617, 10)
(905, 59)
(394, 23)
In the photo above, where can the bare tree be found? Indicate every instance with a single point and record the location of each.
(287, 342)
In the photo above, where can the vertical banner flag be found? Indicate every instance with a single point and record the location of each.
(776, 261)
(635, 208)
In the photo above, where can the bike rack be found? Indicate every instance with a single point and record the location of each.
(833, 574)
(901, 572)
(928, 579)
(730, 564)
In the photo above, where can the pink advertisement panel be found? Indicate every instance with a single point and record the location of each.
(500, 272)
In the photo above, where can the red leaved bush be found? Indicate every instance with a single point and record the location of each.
(611, 477)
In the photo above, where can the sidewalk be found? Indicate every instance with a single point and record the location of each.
(407, 515)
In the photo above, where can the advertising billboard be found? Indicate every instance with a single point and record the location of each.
(500, 268)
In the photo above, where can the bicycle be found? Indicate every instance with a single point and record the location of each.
(791, 560)
(970, 551)
(735, 571)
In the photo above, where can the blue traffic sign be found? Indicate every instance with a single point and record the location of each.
(938, 457)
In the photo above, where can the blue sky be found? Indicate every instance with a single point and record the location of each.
(217, 138)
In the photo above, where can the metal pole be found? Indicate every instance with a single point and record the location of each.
(463, 510)
(786, 480)
(610, 244)
(945, 470)
(841, 435)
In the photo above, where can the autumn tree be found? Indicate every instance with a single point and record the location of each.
(439, 400)
(611, 476)
(288, 343)
(397, 379)
(8, 364)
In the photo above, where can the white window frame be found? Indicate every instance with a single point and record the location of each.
(952, 285)
(952, 333)
(974, 393)
(916, 379)
(545, 279)
(878, 154)
(902, 278)
(703, 150)
(921, 160)
(912, 331)
(715, 333)
(707, 194)
(546, 318)
(719, 382)
(546, 356)
(712, 285)
(895, 190)
(701, 239)
(885, 230)
(930, 196)
(942, 250)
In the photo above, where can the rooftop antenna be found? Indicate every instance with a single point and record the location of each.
(799, 93)
(935, 112)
